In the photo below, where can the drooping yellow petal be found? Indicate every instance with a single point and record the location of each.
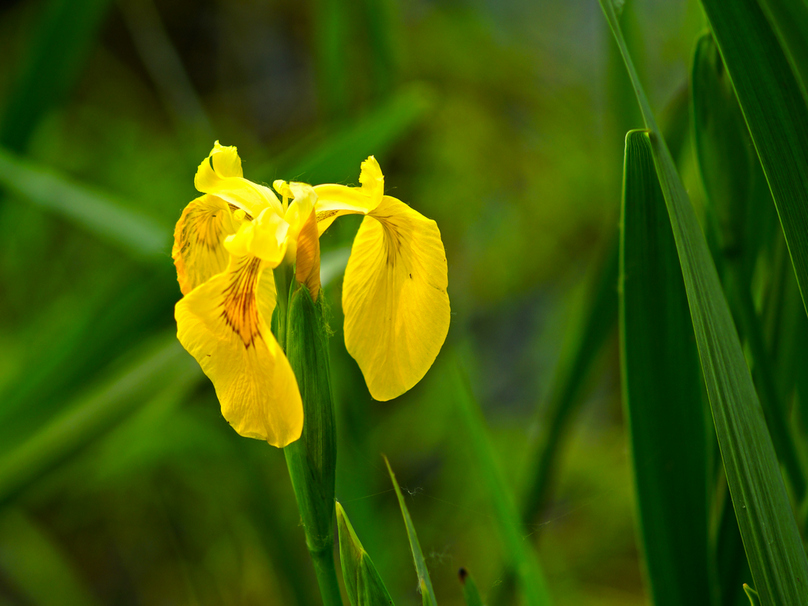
(394, 298)
(198, 250)
(337, 200)
(222, 325)
(220, 173)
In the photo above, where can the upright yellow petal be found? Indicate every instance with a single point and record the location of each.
(394, 298)
(222, 162)
(198, 250)
(220, 173)
(337, 200)
(222, 325)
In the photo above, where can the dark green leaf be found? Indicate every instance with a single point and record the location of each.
(775, 113)
(662, 392)
(771, 539)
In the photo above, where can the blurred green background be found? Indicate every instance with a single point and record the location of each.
(120, 482)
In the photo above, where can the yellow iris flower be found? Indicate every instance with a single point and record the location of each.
(227, 244)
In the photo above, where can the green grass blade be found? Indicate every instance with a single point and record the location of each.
(738, 198)
(62, 356)
(331, 44)
(166, 70)
(382, 22)
(163, 365)
(737, 193)
(731, 567)
(424, 582)
(470, 592)
(775, 113)
(362, 582)
(770, 535)
(591, 328)
(523, 558)
(789, 19)
(754, 598)
(109, 219)
(662, 392)
(59, 48)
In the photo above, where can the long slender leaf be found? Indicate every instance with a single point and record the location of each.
(662, 392)
(731, 567)
(592, 327)
(775, 113)
(59, 48)
(737, 193)
(109, 219)
(424, 582)
(166, 70)
(789, 19)
(738, 199)
(332, 39)
(362, 582)
(771, 539)
(384, 52)
(523, 558)
(93, 415)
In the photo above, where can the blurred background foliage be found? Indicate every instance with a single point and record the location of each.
(120, 483)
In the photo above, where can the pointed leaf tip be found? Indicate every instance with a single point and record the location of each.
(470, 592)
(424, 582)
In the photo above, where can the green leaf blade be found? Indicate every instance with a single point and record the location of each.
(775, 113)
(523, 558)
(470, 592)
(424, 582)
(662, 392)
(109, 219)
(770, 535)
(767, 525)
(363, 584)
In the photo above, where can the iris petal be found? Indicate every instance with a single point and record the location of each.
(222, 324)
(394, 298)
(337, 200)
(198, 250)
(220, 173)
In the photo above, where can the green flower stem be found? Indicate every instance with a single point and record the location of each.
(283, 274)
(326, 573)
(311, 460)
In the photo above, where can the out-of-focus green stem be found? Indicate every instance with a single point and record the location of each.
(598, 321)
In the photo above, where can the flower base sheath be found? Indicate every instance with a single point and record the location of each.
(227, 244)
